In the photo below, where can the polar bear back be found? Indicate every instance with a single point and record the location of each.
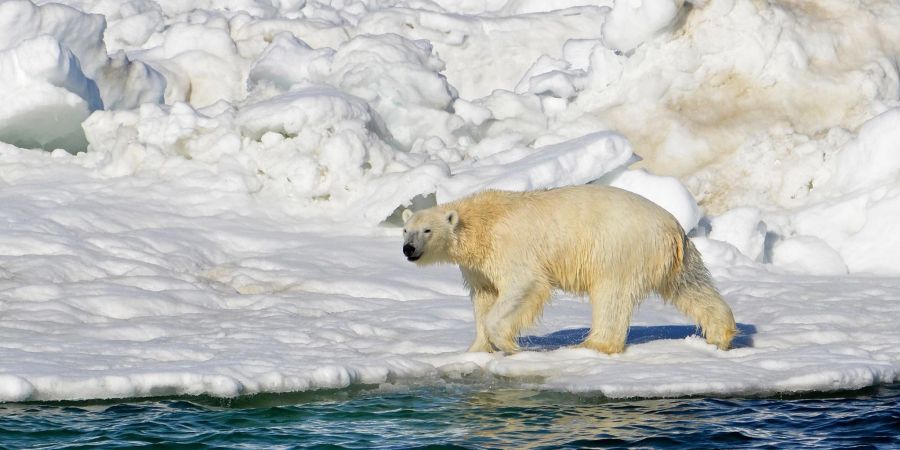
(575, 237)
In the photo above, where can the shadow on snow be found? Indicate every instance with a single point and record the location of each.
(636, 335)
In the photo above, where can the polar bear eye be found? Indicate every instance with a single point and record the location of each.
(427, 230)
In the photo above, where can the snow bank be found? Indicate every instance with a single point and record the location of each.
(503, 46)
(715, 92)
(54, 71)
(808, 254)
(53, 94)
(853, 202)
(327, 152)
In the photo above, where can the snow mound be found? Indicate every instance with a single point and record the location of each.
(632, 22)
(54, 71)
(850, 212)
(329, 152)
(44, 89)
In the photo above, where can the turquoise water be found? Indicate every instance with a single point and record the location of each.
(459, 417)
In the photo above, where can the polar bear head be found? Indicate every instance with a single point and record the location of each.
(428, 234)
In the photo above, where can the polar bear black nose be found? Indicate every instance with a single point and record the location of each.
(408, 249)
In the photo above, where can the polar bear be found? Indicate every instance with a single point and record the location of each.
(616, 247)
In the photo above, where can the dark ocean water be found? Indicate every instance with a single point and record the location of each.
(459, 417)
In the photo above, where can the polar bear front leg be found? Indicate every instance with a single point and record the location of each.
(482, 301)
(515, 308)
(498, 324)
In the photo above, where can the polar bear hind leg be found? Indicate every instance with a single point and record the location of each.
(693, 293)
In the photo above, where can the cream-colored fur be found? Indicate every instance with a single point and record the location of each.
(514, 248)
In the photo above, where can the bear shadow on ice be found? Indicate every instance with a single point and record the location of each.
(637, 334)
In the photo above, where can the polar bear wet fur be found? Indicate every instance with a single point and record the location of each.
(616, 247)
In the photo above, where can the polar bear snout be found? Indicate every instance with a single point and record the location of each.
(410, 252)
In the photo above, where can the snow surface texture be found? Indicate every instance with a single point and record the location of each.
(220, 234)
(137, 286)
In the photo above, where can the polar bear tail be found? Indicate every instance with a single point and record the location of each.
(692, 291)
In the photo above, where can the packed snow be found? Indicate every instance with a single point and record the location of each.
(202, 197)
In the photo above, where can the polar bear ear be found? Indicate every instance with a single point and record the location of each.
(406, 214)
(453, 218)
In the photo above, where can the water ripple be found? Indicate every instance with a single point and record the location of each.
(459, 418)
